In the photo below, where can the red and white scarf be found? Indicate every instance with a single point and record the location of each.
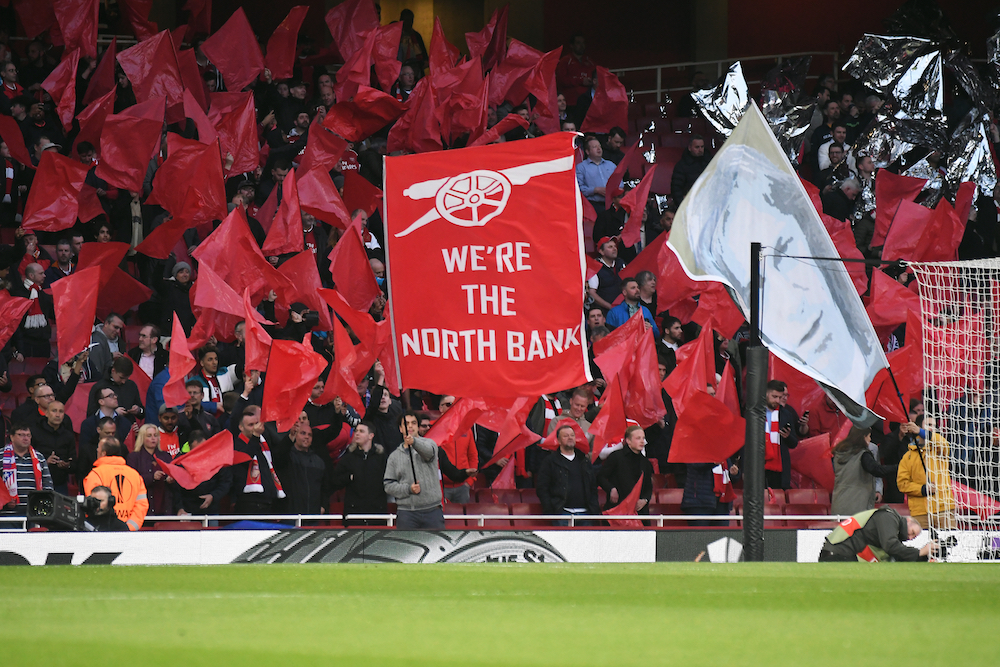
(254, 484)
(10, 470)
(35, 318)
(772, 445)
(723, 485)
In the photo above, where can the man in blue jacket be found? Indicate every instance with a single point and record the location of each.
(621, 313)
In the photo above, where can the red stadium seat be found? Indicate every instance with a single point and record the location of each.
(529, 496)
(472, 509)
(675, 140)
(803, 509)
(655, 510)
(659, 480)
(521, 509)
(669, 496)
(453, 524)
(177, 525)
(800, 496)
(774, 496)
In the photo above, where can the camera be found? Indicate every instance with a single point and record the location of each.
(944, 545)
(63, 513)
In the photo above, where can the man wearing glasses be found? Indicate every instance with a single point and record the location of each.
(109, 420)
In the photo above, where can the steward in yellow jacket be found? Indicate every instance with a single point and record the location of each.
(923, 476)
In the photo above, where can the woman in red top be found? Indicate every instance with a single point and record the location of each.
(161, 487)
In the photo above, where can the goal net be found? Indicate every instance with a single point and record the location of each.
(960, 317)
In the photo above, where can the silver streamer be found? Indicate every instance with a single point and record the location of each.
(881, 142)
(880, 60)
(931, 173)
(724, 104)
(786, 106)
(864, 205)
(970, 158)
(665, 105)
(919, 91)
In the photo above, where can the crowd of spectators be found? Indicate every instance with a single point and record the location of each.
(368, 458)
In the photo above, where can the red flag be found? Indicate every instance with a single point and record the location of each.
(551, 441)
(258, 341)
(418, 130)
(5, 497)
(216, 306)
(508, 78)
(181, 365)
(466, 113)
(612, 352)
(61, 85)
(151, 66)
(704, 413)
(490, 43)
(129, 142)
(238, 135)
(726, 392)
(137, 14)
(717, 309)
(505, 480)
(280, 58)
(12, 309)
(36, 16)
(232, 251)
(11, 135)
(541, 82)
(514, 433)
(77, 21)
(164, 238)
(508, 123)
(303, 277)
(613, 188)
(641, 383)
(200, 18)
(362, 326)
(351, 272)
(233, 49)
(323, 149)
(443, 55)
(610, 105)
(204, 461)
(195, 89)
(286, 233)
(889, 304)
(360, 194)
(674, 287)
(366, 114)
(191, 167)
(842, 236)
(634, 203)
(102, 81)
(910, 225)
(609, 425)
(292, 371)
(384, 54)
(890, 191)
(75, 301)
(127, 291)
(356, 71)
(341, 382)
(318, 197)
(812, 458)
(694, 372)
(627, 507)
(92, 120)
(348, 22)
(52, 203)
(192, 109)
(90, 205)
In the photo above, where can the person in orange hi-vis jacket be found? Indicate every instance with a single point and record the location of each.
(110, 470)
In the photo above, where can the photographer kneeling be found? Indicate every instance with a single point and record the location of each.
(100, 509)
(873, 536)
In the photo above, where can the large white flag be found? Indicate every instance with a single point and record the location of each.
(811, 315)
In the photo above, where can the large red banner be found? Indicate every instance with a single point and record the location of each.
(485, 257)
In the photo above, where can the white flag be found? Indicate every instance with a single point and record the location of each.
(811, 315)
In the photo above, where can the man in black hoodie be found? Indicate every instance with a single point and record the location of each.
(687, 170)
(623, 468)
(565, 482)
(361, 472)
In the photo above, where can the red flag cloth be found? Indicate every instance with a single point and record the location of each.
(164, 238)
(323, 149)
(963, 201)
(613, 188)
(726, 392)
(537, 345)
(92, 120)
(5, 497)
(612, 352)
(812, 458)
(609, 425)
(61, 85)
(888, 304)
(490, 43)
(238, 135)
(303, 276)
(151, 66)
(522, 438)
(551, 441)
(285, 234)
(634, 203)
(10, 133)
(280, 58)
(318, 197)
(75, 301)
(508, 78)
(366, 114)
(234, 51)
(703, 414)
(351, 272)
(129, 141)
(418, 130)
(357, 71)
(200, 18)
(137, 14)
(77, 21)
(191, 166)
(842, 236)
(103, 80)
(127, 291)
(192, 109)
(234, 254)
(216, 306)
(970, 500)
(508, 123)
(362, 326)
(641, 383)
(609, 107)
(541, 83)
(204, 461)
(505, 480)
(258, 341)
(181, 365)
(341, 382)
(627, 507)
(52, 203)
(465, 113)
(292, 371)
(384, 54)
(694, 372)
(890, 191)
(443, 55)
(881, 395)
(195, 88)
(717, 309)
(647, 260)
(360, 194)
(922, 234)
(36, 16)
(348, 22)
(12, 309)
(90, 204)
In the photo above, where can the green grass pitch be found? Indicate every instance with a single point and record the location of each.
(547, 615)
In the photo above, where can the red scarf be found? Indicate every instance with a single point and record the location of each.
(35, 318)
(10, 470)
(772, 444)
(254, 483)
(723, 485)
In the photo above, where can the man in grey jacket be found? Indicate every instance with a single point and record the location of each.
(411, 477)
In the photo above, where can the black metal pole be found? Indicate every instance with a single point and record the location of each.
(753, 451)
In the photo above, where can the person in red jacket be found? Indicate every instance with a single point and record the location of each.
(462, 452)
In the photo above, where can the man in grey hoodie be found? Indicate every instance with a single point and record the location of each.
(411, 477)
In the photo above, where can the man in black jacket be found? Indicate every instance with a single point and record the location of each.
(204, 498)
(304, 476)
(566, 482)
(384, 412)
(687, 170)
(117, 378)
(104, 519)
(149, 355)
(623, 468)
(256, 487)
(361, 472)
(54, 439)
